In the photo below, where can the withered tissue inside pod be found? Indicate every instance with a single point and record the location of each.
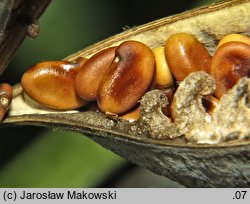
(230, 119)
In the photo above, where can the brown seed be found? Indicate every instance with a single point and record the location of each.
(93, 71)
(2, 113)
(230, 62)
(132, 115)
(234, 38)
(5, 98)
(130, 75)
(185, 54)
(209, 103)
(169, 92)
(52, 84)
(79, 62)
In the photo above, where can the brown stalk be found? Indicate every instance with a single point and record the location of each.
(18, 19)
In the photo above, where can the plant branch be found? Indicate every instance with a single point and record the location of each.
(18, 18)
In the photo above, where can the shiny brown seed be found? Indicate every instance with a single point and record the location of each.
(52, 84)
(132, 115)
(79, 62)
(234, 38)
(130, 75)
(230, 62)
(209, 103)
(169, 94)
(93, 71)
(5, 99)
(185, 54)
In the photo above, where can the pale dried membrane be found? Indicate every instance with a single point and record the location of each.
(152, 118)
(187, 105)
(230, 120)
(22, 104)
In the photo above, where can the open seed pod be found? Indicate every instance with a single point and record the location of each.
(225, 162)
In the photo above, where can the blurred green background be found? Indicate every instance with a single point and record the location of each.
(38, 157)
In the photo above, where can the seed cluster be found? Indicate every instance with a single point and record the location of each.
(117, 77)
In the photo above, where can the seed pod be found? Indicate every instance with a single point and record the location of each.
(230, 62)
(234, 38)
(163, 76)
(93, 71)
(52, 84)
(5, 98)
(185, 54)
(130, 75)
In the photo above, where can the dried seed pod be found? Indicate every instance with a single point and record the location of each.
(5, 98)
(52, 84)
(130, 75)
(185, 54)
(234, 38)
(163, 76)
(93, 71)
(230, 62)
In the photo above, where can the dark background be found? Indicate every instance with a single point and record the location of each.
(38, 157)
